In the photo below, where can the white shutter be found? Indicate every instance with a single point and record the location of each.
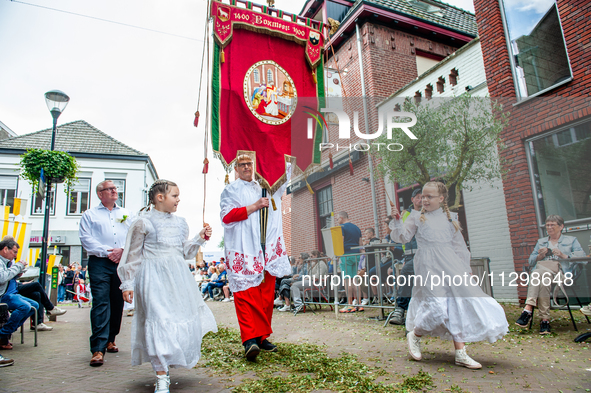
(8, 182)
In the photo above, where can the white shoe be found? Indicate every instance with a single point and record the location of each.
(162, 384)
(354, 302)
(41, 327)
(364, 302)
(279, 302)
(284, 308)
(206, 296)
(226, 300)
(56, 311)
(462, 359)
(414, 346)
(586, 310)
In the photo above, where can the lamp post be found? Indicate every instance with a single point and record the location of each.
(56, 103)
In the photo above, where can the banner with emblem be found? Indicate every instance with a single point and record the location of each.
(267, 73)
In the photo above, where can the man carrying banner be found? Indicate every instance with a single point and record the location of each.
(250, 274)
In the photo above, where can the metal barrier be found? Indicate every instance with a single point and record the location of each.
(319, 289)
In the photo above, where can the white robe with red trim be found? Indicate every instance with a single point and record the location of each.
(242, 239)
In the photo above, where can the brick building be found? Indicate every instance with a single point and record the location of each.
(537, 60)
(399, 41)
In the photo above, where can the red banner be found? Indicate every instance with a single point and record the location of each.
(262, 87)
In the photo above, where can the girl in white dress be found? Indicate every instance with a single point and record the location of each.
(171, 317)
(452, 309)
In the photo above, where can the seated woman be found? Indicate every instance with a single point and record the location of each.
(543, 262)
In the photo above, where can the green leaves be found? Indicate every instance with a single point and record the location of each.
(458, 142)
(57, 166)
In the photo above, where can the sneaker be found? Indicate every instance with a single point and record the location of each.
(462, 359)
(56, 311)
(298, 308)
(251, 349)
(130, 313)
(397, 316)
(523, 319)
(284, 308)
(226, 300)
(586, 310)
(414, 345)
(267, 346)
(364, 302)
(354, 302)
(41, 327)
(162, 384)
(278, 302)
(4, 362)
(545, 327)
(206, 296)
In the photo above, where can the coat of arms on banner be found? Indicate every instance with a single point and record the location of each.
(224, 14)
(270, 92)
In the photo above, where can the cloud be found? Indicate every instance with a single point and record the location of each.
(537, 6)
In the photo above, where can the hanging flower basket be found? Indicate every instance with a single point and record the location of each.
(58, 167)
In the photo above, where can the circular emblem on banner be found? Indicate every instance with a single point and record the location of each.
(270, 93)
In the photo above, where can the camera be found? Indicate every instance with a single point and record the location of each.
(549, 253)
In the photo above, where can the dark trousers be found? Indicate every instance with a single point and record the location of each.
(107, 302)
(405, 291)
(35, 292)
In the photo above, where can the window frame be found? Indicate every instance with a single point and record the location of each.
(528, 144)
(51, 208)
(521, 99)
(118, 189)
(69, 199)
(15, 192)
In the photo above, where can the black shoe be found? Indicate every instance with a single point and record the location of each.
(545, 327)
(251, 349)
(523, 319)
(267, 346)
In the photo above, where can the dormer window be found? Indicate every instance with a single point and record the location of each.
(427, 6)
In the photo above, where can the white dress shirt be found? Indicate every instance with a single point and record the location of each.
(101, 229)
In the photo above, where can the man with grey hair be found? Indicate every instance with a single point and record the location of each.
(103, 230)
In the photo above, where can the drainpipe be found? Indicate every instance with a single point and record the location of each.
(369, 157)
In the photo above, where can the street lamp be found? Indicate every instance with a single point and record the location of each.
(56, 103)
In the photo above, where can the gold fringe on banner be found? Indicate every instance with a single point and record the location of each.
(315, 78)
(309, 187)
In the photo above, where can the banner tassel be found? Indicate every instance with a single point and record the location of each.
(351, 167)
(314, 76)
(273, 203)
(227, 180)
(205, 166)
(330, 162)
(222, 56)
(309, 188)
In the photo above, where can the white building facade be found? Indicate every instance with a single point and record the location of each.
(100, 157)
(485, 208)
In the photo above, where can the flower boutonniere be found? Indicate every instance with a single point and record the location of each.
(123, 219)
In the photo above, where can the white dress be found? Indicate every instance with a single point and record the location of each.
(460, 311)
(170, 317)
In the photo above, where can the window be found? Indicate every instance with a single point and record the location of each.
(38, 203)
(561, 172)
(429, 91)
(269, 77)
(453, 77)
(120, 184)
(440, 85)
(78, 197)
(336, 11)
(8, 186)
(324, 201)
(257, 76)
(536, 43)
(418, 97)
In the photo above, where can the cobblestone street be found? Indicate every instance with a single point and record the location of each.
(521, 362)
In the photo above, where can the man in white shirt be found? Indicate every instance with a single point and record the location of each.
(102, 231)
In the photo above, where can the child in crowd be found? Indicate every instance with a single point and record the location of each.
(455, 310)
(171, 317)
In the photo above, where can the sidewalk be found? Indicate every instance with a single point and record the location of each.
(60, 363)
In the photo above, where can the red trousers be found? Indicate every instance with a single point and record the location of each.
(254, 309)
